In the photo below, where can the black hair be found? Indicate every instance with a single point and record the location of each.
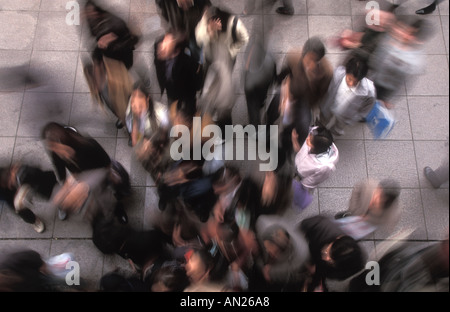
(224, 16)
(314, 45)
(171, 276)
(279, 236)
(321, 139)
(206, 258)
(391, 191)
(346, 254)
(357, 67)
(144, 87)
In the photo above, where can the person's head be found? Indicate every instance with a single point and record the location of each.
(276, 241)
(214, 14)
(172, 44)
(355, 71)
(92, 10)
(198, 266)
(169, 278)
(313, 52)
(343, 253)
(185, 4)
(319, 140)
(140, 98)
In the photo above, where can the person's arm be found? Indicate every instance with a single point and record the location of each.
(242, 37)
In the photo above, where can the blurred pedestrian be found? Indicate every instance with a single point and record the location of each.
(310, 75)
(145, 117)
(219, 29)
(178, 73)
(283, 256)
(317, 158)
(373, 205)
(24, 270)
(71, 151)
(107, 71)
(350, 97)
(409, 268)
(19, 183)
(334, 255)
(398, 57)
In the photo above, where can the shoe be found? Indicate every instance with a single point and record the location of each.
(71, 128)
(23, 198)
(285, 11)
(39, 226)
(119, 124)
(427, 10)
(62, 215)
(431, 176)
(342, 214)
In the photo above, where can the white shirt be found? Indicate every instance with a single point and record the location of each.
(344, 96)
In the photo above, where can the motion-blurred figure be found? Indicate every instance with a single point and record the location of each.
(373, 205)
(398, 57)
(409, 268)
(350, 97)
(77, 153)
(107, 73)
(19, 183)
(284, 254)
(309, 73)
(182, 16)
(178, 73)
(334, 254)
(219, 29)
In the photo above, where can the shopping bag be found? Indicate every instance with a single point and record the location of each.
(380, 121)
(302, 197)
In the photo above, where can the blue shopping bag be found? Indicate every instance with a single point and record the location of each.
(380, 121)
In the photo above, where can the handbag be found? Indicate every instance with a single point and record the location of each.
(380, 121)
(302, 197)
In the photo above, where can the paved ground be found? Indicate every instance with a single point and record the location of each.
(34, 33)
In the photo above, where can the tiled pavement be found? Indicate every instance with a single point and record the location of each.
(34, 33)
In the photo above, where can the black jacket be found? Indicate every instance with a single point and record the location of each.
(186, 76)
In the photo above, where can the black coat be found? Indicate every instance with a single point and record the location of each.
(186, 76)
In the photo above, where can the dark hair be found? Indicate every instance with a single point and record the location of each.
(144, 87)
(391, 191)
(206, 258)
(224, 16)
(346, 254)
(171, 276)
(314, 45)
(321, 139)
(279, 236)
(357, 67)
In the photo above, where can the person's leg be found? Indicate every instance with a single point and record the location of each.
(439, 176)
(21, 204)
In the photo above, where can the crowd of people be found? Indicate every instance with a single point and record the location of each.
(217, 229)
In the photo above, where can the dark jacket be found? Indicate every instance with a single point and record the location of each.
(180, 20)
(320, 231)
(185, 78)
(120, 49)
